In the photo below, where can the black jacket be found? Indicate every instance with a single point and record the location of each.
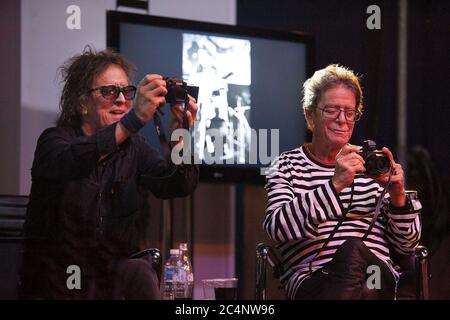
(84, 203)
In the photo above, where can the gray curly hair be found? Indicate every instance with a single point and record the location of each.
(332, 76)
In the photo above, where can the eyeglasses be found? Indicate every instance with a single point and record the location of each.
(112, 92)
(333, 112)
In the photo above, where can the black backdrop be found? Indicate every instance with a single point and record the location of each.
(341, 36)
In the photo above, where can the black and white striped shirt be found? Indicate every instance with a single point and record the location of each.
(303, 208)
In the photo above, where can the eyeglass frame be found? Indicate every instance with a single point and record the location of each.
(358, 114)
(119, 88)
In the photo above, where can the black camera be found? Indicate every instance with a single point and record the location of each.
(178, 90)
(377, 163)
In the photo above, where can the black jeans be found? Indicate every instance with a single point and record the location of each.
(345, 277)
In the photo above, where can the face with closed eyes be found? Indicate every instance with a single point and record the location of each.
(98, 112)
(327, 132)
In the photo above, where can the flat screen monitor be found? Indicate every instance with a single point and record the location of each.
(249, 83)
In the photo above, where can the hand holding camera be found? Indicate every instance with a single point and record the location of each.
(154, 91)
(378, 164)
(183, 100)
(348, 163)
(150, 96)
(397, 186)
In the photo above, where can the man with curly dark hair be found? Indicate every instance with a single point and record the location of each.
(86, 176)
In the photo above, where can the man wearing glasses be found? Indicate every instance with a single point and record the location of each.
(84, 204)
(321, 203)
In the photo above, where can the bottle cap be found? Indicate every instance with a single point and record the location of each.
(174, 252)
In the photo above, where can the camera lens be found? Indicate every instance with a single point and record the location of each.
(176, 91)
(377, 163)
(383, 164)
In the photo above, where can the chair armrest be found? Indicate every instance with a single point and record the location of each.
(155, 254)
(262, 251)
(422, 267)
(265, 253)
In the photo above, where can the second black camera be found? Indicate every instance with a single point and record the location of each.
(377, 162)
(178, 90)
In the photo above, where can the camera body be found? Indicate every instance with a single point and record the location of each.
(178, 90)
(377, 163)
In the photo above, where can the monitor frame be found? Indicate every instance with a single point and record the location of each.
(210, 172)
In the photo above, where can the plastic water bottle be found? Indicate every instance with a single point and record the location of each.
(185, 281)
(170, 275)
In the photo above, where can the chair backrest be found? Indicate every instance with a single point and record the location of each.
(12, 215)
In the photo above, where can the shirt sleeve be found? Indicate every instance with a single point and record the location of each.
(404, 228)
(60, 155)
(164, 179)
(293, 216)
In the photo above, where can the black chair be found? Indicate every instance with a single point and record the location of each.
(155, 255)
(415, 272)
(12, 217)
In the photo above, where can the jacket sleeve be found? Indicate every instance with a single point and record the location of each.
(164, 179)
(293, 216)
(61, 156)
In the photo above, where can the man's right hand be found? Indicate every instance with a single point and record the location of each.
(151, 94)
(348, 164)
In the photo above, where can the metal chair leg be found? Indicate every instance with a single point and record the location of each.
(422, 261)
(262, 251)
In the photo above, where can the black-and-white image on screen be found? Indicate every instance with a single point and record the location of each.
(221, 67)
(246, 84)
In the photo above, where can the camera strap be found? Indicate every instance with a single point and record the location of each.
(336, 227)
(378, 206)
(161, 135)
(166, 150)
(344, 214)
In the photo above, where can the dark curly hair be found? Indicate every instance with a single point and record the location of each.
(78, 74)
